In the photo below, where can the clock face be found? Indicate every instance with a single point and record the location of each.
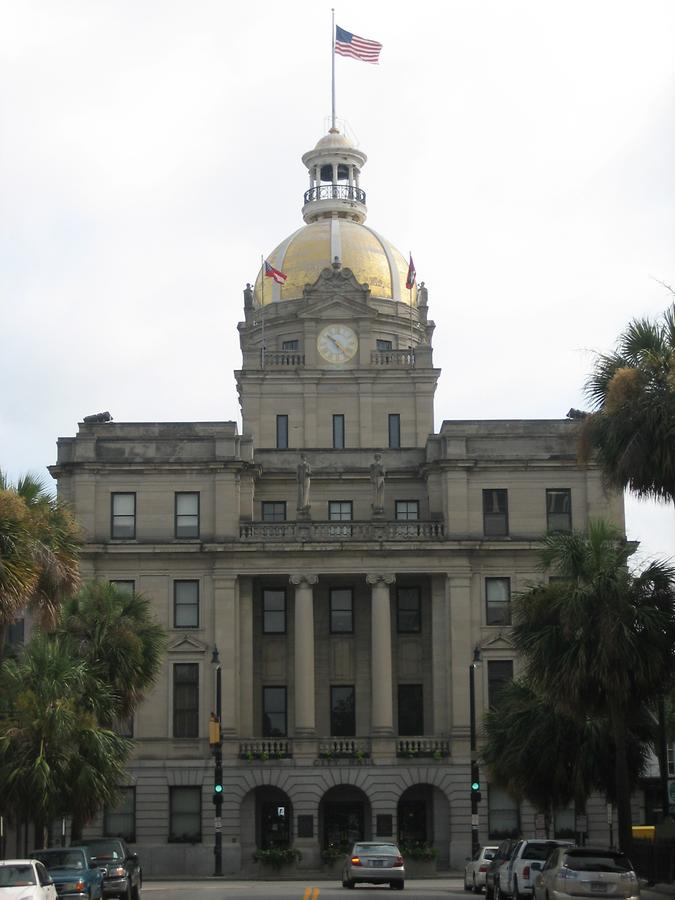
(337, 343)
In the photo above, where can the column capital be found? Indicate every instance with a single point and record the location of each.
(383, 577)
(304, 578)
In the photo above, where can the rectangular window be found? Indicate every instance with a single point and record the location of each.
(410, 709)
(394, 431)
(185, 815)
(407, 510)
(341, 611)
(282, 432)
(338, 432)
(503, 814)
(124, 727)
(273, 510)
(342, 713)
(559, 509)
(500, 673)
(383, 346)
(123, 513)
(16, 633)
(290, 345)
(340, 510)
(564, 823)
(274, 611)
(497, 601)
(187, 514)
(186, 700)
(274, 712)
(408, 610)
(495, 512)
(120, 820)
(125, 585)
(186, 604)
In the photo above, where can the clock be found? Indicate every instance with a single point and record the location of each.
(337, 343)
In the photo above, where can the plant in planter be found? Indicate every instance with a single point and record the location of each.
(333, 854)
(277, 856)
(420, 851)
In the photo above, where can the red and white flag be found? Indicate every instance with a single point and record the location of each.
(412, 274)
(348, 44)
(271, 272)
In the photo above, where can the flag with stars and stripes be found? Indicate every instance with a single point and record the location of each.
(348, 44)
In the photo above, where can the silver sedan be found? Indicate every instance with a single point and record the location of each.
(374, 862)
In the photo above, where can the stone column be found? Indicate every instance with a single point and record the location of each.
(305, 715)
(225, 611)
(246, 657)
(382, 706)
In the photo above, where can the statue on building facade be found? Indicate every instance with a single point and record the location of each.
(304, 481)
(377, 475)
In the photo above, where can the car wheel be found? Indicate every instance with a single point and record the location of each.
(397, 885)
(467, 886)
(348, 884)
(516, 894)
(137, 892)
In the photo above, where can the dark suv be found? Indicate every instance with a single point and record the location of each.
(503, 854)
(122, 874)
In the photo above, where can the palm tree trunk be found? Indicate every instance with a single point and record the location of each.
(624, 815)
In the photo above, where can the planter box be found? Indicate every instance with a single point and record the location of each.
(420, 868)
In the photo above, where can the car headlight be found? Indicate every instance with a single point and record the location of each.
(116, 871)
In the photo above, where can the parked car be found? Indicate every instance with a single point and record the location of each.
(526, 861)
(586, 872)
(26, 879)
(502, 855)
(122, 873)
(476, 867)
(373, 862)
(73, 872)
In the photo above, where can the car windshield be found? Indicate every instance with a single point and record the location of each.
(489, 854)
(370, 849)
(537, 851)
(597, 861)
(106, 850)
(16, 876)
(62, 859)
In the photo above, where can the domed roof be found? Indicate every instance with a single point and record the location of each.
(303, 256)
(333, 141)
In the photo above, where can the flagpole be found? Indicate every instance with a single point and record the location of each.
(333, 67)
(262, 307)
(410, 302)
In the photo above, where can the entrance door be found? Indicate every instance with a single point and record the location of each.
(274, 825)
(342, 824)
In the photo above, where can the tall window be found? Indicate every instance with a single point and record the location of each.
(120, 820)
(383, 345)
(338, 432)
(497, 601)
(394, 431)
(187, 514)
(503, 814)
(341, 611)
(407, 510)
(274, 712)
(282, 432)
(290, 345)
(495, 512)
(408, 611)
(500, 673)
(186, 700)
(342, 711)
(340, 511)
(186, 604)
(410, 709)
(185, 815)
(274, 611)
(273, 510)
(123, 516)
(125, 585)
(559, 509)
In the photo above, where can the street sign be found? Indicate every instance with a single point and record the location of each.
(610, 813)
(474, 820)
(218, 823)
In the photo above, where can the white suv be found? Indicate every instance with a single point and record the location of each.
(517, 875)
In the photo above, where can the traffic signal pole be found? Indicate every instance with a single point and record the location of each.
(475, 773)
(216, 742)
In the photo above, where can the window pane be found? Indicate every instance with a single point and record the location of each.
(342, 717)
(273, 511)
(498, 601)
(559, 509)
(120, 820)
(410, 709)
(382, 345)
(123, 504)
(186, 604)
(15, 632)
(407, 510)
(340, 510)
(185, 814)
(408, 612)
(127, 586)
(500, 673)
(341, 610)
(123, 516)
(503, 814)
(394, 430)
(495, 512)
(187, 515)
(282, 432)
(186, 700)
(274, 611)
(290, 345)
(338, 432)
(274, 712)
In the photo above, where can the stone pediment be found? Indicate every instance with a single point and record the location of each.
(337, 283)
(186, 643)
(501, 641)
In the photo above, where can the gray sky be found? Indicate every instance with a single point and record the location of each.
(524, 150)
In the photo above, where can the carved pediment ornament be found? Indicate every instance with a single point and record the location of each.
(186, 643)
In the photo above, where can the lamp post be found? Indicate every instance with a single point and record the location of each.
(475, 773)
(216, 742)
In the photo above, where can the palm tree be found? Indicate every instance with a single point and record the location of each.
(632, 392)
(114, 632)
(18, 570)
(600, 641)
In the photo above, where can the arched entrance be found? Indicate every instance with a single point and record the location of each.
(266, 821)
(424, 818)
(344, 817)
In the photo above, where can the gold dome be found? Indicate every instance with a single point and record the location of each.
(303, 256)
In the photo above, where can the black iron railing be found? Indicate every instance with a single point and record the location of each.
(335, 192)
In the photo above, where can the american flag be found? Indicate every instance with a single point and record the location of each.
(412, 275)
(348, 44)
(271, 272)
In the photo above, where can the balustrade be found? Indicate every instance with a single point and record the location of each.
(343, 531)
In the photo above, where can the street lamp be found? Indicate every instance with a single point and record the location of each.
(475, 773)
(216, 742)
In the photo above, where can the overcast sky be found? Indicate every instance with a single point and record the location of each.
(150, 152)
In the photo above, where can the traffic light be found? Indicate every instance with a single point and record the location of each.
(218, 792)
(475, 784)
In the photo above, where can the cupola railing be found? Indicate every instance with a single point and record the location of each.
(335, 192)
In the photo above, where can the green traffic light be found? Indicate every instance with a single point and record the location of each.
(475, 785)
(218, 789)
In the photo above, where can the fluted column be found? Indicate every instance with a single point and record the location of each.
(305, 716)
(382, 706)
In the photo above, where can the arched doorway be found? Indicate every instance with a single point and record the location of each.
(424, 818)
(266, 820)
(344, 817)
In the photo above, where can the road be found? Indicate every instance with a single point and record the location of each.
(426, 889)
